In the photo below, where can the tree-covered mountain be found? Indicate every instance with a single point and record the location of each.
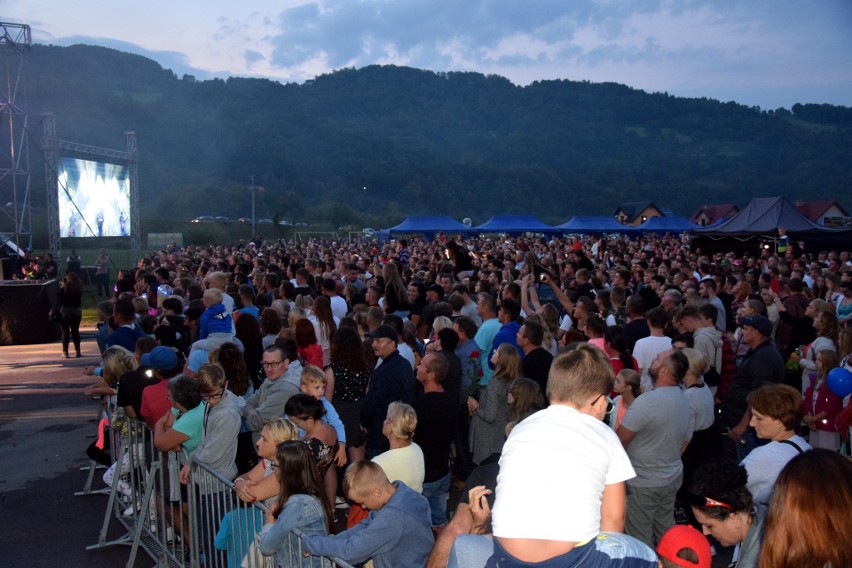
(376, 144)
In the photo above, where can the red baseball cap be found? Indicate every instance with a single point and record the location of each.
(683, 536)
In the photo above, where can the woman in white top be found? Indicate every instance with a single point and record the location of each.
(325, 324)
(776, 412)
(404, 460)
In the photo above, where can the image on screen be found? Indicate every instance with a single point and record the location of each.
(94, 199)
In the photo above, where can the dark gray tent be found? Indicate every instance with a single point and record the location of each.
(763, 215)
(761, 219)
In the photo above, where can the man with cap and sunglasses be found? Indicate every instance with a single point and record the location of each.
(761, 364)
(392, 380)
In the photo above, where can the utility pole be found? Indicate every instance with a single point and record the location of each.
(253, 217)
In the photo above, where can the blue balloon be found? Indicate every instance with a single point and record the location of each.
(840, 381)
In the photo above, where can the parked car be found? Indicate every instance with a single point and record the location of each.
(223, 219)
(264, 222)
(284, 222)
(203, 219)
(244, 220)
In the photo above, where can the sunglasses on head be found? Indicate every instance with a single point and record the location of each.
(702, 501)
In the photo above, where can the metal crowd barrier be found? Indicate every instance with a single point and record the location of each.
(200, 524)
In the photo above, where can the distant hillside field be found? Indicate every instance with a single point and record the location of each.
(368, 147)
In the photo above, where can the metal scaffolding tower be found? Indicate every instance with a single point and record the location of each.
(15, 215)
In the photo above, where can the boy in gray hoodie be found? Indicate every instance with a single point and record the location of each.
(396, 534)
(706, 338)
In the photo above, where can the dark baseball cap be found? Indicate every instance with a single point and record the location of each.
(162, 358)
(759, 322)
(385, 331)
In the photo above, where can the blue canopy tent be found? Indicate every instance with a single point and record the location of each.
(662, 225)
(514, 225)
(591, 225)
(429, 226)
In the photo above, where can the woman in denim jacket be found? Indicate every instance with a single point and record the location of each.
(301, 505)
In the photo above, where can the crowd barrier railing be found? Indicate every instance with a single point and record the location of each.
(202, 523)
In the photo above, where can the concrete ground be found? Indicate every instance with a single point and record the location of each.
(46, 423)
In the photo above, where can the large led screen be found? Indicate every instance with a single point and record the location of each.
(94, 199)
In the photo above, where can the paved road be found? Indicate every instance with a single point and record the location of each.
(45, 426)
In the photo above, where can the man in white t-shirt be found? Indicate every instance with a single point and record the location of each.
(647, 348)
(338, 304)
(562, 459)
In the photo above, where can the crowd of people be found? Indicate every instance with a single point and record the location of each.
(585, 395)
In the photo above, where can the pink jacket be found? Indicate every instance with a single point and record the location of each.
(827, 402)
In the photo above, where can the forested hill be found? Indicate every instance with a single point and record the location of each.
(376, 144)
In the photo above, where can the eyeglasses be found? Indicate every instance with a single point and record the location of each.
(609, 404)
(217, 396)
(272, 364)
(701, 501)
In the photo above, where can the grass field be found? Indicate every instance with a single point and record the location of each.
(90, 305)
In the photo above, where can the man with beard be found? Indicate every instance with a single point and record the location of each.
(654, 432)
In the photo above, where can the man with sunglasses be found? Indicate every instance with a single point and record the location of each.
(267, 403)
(560, 491)
(653, 432)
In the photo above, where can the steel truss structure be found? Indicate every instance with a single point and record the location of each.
(15, 214)
(53, 147)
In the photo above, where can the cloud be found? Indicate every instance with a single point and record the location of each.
(253, 57)
(722, 48)
(700, 42)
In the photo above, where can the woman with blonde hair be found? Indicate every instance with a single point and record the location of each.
(490, 414)
(828, 333)
(404, 460)
(260, 483)
(822, 406)
(116, 362)
(628, 386)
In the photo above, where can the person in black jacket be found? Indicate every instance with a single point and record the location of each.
(69, 302)
(392, 380)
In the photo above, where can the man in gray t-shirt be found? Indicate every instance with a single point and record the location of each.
(654, 430)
